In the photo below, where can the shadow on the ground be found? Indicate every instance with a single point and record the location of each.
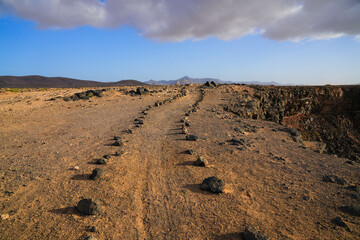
(230, 236)
(196, 189)
(81, 177)
(66, 210)
(187, 163)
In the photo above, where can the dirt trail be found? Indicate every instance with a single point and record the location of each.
(153, 190)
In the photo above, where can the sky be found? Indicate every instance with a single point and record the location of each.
(287, 41)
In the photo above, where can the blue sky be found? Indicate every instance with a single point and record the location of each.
(114, 53)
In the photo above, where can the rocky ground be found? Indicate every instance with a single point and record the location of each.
(127, 163)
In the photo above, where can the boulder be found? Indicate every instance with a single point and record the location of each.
(102, 161)
(192, 137)
(213, 184)
(89, 206)
(97, 173)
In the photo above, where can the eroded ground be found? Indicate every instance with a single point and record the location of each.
(153, 190)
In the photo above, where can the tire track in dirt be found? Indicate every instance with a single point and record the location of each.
(152, 151)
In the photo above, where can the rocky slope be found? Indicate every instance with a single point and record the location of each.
(328, 114)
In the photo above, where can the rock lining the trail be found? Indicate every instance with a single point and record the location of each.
(192, 137)
(89, 206)
(201, 162)
(97, 174)
(102, 161)
(213, 184)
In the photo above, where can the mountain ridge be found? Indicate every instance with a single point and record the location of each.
(36, 81)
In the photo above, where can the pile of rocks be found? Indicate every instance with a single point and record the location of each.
(85, 95)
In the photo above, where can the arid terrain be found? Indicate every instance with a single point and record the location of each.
(276, 180)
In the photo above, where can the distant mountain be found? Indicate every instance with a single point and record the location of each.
(189, 80)
(35, 81)
(259, 83)
(185, 80)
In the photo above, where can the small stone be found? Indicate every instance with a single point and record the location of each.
(97, 173)
(76, 168)
(237, 141)
(190, 152)
(252, 233)
(94, 229)
(118, 143)
(119, 153)
(90, 238)
(213, 184)
(4, 216)
(184, 130)
(102, 161)
(201, 161)
(107, 156)
(89, 206)
(187, 124)
(116, 138)
(140, 122)
(192, 137)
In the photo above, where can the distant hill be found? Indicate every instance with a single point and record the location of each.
(189, 80)
(185, 80)
(35, 81)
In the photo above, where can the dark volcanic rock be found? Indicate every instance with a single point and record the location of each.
(237, 141)
(89, 206)
(192, 137)
(142, 90)
(97, 173)
(85, 95)
(118, 143)
(102, 161)
(190, 152)
(201, 161)
(252, 233)
(328, 114)
(117, 138)
(213, 184)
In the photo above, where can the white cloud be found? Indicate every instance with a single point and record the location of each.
(177, 20)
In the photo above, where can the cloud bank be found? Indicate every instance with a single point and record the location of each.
(178, 20)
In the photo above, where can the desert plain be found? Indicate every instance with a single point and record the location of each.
(151, 188)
